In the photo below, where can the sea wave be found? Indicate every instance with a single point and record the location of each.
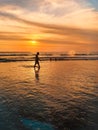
(26, 56)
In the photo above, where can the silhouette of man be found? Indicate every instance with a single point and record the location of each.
(37, 60)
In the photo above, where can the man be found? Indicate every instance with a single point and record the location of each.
(37, 60)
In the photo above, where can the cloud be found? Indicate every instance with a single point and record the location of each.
(10, 16)
(68, 22)
(77, 13)
(76, 34)
(63, 32)
(27, 4)
(13, 38)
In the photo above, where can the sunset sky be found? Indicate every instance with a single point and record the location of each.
(49, 25)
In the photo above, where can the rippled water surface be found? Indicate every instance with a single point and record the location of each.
(62, 95)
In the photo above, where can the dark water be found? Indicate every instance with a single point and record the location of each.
(62, 95)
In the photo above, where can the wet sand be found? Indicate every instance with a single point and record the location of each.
(61, 95)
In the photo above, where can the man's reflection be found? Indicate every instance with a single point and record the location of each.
(36, 70)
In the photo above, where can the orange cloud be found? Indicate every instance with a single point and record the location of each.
(67, 23)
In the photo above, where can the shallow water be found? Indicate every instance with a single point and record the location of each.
(62, 94)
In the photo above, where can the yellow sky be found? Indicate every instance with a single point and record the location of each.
(45, 25)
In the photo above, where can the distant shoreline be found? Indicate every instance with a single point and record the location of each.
(50, 59)
(45, 56)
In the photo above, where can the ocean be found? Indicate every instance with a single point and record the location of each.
(28, 56)
(61, 95)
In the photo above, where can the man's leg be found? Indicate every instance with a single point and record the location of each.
(38, 65)
(35, 64)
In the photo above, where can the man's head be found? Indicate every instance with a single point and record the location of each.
(37, 53)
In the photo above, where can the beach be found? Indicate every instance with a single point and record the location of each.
(62, 95)
(49, 65)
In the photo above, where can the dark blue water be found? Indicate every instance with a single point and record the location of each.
(62, 95)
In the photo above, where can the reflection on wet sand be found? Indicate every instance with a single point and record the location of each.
(36, 70)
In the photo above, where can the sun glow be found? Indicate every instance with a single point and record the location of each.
(34, 42)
